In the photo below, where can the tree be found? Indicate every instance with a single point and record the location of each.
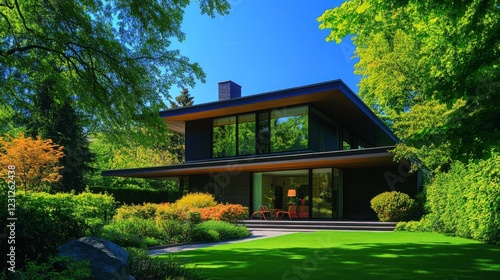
(35, 160)
(57, 120)
(111, 57)
(184, 99)
(430, 69)
(176, 143)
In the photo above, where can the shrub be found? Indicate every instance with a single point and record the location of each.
(138, 195)
(57, 268)
(393, 206)
(224, 212)
(196, 200)
(133, 233)
(145, 211)
(45, 221)
(174, 231)
(145, 267)
(412, 226)
(218, 231)
(466, 200)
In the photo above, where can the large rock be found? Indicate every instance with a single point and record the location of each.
(108, 260)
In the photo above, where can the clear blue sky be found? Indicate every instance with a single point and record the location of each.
(265, 46)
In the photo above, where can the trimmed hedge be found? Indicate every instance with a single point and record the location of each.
(394, 206)
(139, 196)
(466, 201)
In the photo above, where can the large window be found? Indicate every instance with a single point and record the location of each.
(265, 132)
(224, 137)
(289, 129)
(246, 134)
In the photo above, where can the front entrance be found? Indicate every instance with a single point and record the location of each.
(308, 193)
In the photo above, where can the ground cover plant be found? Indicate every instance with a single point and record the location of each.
(350, 255)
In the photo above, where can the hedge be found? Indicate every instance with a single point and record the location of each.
(45, 221)
(466, 200)
(138, 196)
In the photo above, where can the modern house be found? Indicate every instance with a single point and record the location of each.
(318, 147)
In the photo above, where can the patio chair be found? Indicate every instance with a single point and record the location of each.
(292, 213)
(263, 211)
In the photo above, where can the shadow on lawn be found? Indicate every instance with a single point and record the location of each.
(436, 260)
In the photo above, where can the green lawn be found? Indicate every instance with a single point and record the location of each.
(350, 255)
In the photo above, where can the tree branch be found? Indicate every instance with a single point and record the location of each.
(22, 17)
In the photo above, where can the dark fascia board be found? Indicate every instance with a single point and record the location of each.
(288, 157)
(283, 94)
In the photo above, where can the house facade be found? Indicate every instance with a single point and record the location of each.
(318, 147)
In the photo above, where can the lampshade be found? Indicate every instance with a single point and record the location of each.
(292, 193)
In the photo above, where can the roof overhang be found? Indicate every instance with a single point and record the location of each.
(349, 159)
(333, 98)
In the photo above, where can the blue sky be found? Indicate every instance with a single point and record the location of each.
(265, 46)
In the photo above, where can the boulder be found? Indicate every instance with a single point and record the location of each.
(108, 260)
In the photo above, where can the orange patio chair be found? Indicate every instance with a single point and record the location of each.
(292, 213)
(263, 211)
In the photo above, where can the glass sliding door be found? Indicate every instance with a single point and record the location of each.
(311, 193)
(280, 190)
(322, 193)
(327, 194)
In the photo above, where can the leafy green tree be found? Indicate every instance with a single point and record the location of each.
(430, 69)
(112, 57)
(110, 155)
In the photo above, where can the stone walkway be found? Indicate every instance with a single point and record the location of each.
(174, 249)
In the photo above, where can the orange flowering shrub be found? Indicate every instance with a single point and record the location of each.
(224, 212)
(36, 161)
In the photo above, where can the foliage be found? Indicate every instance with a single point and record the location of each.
(58, 120)
(111, 56)
(110, 155)
(169, 223)
(56, 268)
(144, 267)
(412, 226)
(196, 200)
(35, 161)
(133, 233)
(144, 211)
(224, 212)
(393, 206)
(430, 69)
(176, 144)
(466, 201)
(45, 221)
(138, 196)
(218, 231)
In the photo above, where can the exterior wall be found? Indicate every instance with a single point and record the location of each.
(322, 134)
(361, 185)
(198, 139)
(230, 187)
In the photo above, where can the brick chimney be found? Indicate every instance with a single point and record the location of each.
(229, 90)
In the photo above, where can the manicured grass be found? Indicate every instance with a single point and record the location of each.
(350, 255)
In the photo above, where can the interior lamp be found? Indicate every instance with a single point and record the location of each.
(292, 193)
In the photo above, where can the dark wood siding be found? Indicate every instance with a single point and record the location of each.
(198, 139)
(361, 185)
(231, 186)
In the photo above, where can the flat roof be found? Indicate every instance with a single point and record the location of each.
(347, 159)
(333, 98)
